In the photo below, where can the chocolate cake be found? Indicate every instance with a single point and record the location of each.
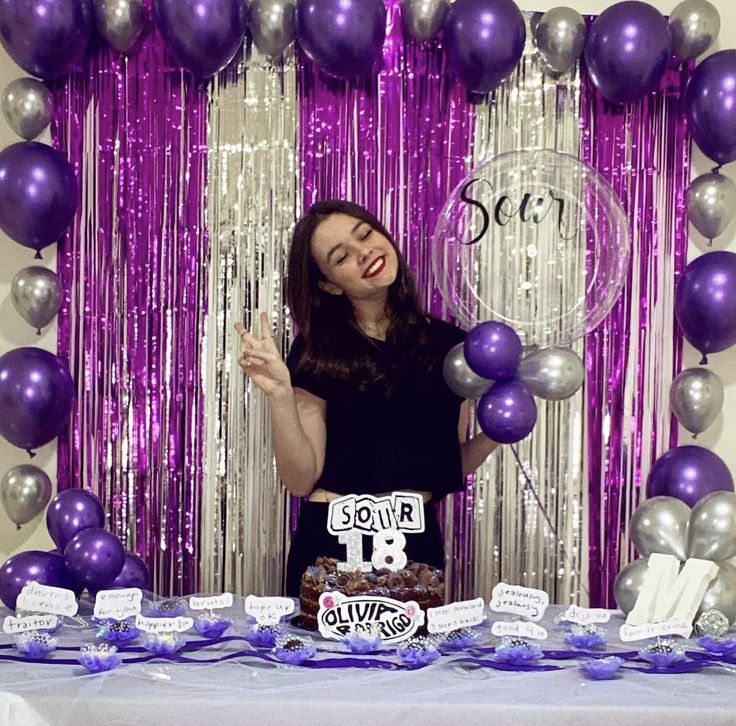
(419, 582)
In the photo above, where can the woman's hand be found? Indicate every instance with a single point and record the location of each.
(261, 361)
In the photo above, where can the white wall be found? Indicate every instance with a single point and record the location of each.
(14, 332)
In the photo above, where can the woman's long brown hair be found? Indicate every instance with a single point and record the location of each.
(334, 345)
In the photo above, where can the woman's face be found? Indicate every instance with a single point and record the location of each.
(354, 258)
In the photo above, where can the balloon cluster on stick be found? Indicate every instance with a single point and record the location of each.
(667, 526)
(88, 555)
(489, 365)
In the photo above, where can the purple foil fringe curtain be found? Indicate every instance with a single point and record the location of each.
(398, 145)
(133, 269)
(643, 150)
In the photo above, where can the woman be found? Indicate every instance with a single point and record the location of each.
(360, 406)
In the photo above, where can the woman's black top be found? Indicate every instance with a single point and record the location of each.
(382, 439)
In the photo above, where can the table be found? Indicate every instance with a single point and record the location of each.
(248, 691)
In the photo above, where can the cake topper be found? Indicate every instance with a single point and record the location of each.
(386, 518)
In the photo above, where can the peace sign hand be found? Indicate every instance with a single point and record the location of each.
(262, 362)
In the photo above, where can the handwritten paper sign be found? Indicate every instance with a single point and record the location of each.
(395, 621)
(585, 616)
(502, 628)
(268, 610)
(211, 602)
(118, 604)
(456, 615)
(525, 601)
(163, 625)
(402, 511)
(45, 599)
(655, 630)
(13, 625)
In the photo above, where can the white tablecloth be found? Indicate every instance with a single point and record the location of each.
(161, 692)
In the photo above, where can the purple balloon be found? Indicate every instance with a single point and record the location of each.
(45, 37)
(484, 40)
(36, 392)
(70, 512)
(45, 568)
(627, 50)
(705, 302)
(343, 37)
(134, 574)
(94, 557)
(507, 412)
(688, 473)
(203, 35)
(711, 106)
(493, 351)
(38, 194)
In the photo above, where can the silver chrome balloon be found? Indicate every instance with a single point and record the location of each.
(36, 294)
(560, 38)
(120, 22)
(712, 530)
(660, 525)
(25, 490)
(552, 373)
(422, 19)
(27, 106)
(272, 25)
(458, 376)
(711, 203)
(628, 584)
(694, 25)
(721, 593)
(696, 398)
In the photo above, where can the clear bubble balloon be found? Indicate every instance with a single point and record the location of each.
(520, 228)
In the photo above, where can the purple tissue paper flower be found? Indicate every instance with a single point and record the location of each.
(171, 607)
(585, 637)
(663, 654)
(717, 646)
(163, 643)
(459, 639)
(517, 651)
(263, 636)
(211, 626)
(418, 652)
(293, 649)
(118, 633)
(602, 669)
(35, 646)
(363, 641)
(99, 658)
